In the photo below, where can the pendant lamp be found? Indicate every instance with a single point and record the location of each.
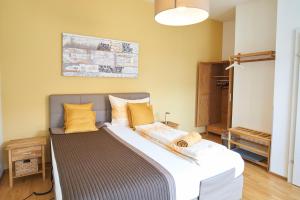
(181, 12)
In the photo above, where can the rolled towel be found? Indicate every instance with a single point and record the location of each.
(189, 139)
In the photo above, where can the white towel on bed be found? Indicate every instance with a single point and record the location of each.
(161, 132)
(168, 136)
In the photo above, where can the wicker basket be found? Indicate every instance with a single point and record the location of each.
(25, 167)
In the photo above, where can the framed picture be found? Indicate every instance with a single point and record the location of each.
(98, 57)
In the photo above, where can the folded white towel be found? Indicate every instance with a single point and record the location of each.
(161, 132)
(168, 137)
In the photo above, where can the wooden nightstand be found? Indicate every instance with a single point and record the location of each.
(171, 124)
(26, 150)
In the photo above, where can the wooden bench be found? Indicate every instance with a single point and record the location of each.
(256, 142)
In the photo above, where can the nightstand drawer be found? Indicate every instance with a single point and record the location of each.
(26, 153)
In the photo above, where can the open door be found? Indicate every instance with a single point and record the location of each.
(203, 94)
(296, 164)
(294, 150)
(230, 98)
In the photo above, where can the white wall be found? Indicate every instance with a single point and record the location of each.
(288, 19)
(255, 30)
(228, 39)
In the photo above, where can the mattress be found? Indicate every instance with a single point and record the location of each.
(187, 175)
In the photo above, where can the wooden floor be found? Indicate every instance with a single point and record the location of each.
(261, 185)
(25, 186)
(258, 185)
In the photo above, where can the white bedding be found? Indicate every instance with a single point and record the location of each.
(57, 187)
(187, 175)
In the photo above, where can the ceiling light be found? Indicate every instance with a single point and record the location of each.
(181, 12)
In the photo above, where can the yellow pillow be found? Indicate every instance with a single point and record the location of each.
(68, 106)
(80, 121)
(87, 106)
(140, 114)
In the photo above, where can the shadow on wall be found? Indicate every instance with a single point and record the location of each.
(1, 159)
(2, 152)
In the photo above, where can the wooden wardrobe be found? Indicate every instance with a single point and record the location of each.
(214, 96)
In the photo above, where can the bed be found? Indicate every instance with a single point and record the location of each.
(93, 165)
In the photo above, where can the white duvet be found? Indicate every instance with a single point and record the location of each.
(214, 159)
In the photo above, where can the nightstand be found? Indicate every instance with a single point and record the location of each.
(171, 124)
(24, 156)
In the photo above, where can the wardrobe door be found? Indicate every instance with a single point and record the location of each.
(203, 94)
(230, 100)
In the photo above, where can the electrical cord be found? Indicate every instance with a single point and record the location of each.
(43, 193)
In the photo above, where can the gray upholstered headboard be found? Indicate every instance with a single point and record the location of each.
(101, 105)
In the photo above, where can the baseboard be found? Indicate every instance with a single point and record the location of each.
(279, 176)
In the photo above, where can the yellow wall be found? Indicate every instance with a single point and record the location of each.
(30, 51)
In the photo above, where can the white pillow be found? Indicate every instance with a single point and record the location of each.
(119, 114)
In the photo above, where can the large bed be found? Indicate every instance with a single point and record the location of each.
(116, 162)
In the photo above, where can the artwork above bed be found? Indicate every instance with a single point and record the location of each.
(98, 57)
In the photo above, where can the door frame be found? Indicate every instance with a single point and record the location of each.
(295, 102)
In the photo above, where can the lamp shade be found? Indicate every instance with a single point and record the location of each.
(181, 12)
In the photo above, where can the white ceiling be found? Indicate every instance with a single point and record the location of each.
(222, 10)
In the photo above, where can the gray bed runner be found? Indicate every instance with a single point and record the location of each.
(96, 165)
